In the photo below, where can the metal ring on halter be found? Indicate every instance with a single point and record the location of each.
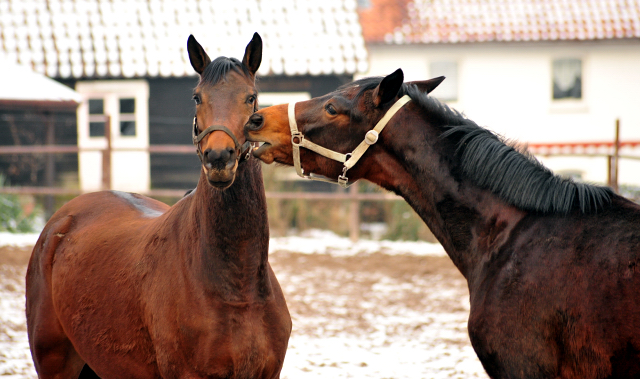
(297, 135)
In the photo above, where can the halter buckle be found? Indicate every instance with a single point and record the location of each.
(297, 135)
(371, 137)
(343, 181)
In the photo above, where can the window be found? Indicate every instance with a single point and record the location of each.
(124, 105)
(448, 89)
(567, 79)
(96, 118)
(127, 117)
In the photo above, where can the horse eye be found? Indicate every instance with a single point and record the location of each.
(197, 99)
(251, 99)
(331, 110)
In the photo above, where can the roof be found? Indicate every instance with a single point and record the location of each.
(455, 21)
(22, 87)
(148, 38)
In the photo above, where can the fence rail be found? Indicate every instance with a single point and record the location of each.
(353, 196)
(578, 149)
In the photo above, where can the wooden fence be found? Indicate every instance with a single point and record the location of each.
(354, 197)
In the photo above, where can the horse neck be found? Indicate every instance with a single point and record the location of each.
(234, 235)
(471, 223)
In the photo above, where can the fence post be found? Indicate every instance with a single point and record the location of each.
(616, 158)
(354, 213)
(50, 164)
(106, 155)
(610, 170)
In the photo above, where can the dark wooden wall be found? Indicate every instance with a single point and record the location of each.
(28, 126)
(171, 112)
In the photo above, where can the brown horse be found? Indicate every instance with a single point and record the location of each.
(553, 266)
(123, 286)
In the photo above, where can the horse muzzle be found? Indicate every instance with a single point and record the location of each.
(220, 166)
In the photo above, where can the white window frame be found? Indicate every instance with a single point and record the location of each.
(130, 162)
(569, 105)
(111, 92)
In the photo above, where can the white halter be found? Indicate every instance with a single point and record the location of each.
(349, 159)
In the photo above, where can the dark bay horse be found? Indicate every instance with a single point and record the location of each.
(123, 286)
(553, 266)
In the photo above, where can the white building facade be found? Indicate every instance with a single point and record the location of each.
(508, 88)
(530, 70)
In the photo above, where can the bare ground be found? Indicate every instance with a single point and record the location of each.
(364, 316)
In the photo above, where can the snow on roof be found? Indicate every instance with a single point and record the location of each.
(142, 38)
(23, 85)
(455, 21)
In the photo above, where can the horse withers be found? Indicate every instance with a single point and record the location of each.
(551, 264)
(122, 286)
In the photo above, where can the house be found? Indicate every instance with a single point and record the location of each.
(128, 60)
(542, 72)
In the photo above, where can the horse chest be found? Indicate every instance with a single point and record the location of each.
(228, 343)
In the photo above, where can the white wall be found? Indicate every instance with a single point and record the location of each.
(506, 87)
(130, 161)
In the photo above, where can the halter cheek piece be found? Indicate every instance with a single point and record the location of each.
(243, 152)
(350, 159)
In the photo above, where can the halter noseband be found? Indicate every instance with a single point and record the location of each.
(350, 159)
(243, 150)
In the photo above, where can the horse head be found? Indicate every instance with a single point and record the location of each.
(338, 122)
(225, 97)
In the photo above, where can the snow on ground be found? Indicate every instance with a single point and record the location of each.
(326, 242)
(15, 356)
(17, 239)
(371, 309)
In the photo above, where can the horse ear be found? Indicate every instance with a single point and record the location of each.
(199, 59)
(427, 86)
(388, 88)
(253, 54)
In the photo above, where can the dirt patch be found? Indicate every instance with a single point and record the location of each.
(363, 316)
(15, 256)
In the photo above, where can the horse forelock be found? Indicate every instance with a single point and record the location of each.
(219, 68)
(501, 167)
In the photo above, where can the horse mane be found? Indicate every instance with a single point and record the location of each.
(218, 69)
(493, 163)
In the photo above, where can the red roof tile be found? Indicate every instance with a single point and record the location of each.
(453, 21)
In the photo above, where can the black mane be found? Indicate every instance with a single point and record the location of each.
(217, 70)
(488, 161)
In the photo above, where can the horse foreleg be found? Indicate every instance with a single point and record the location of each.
(52, 351)
(53, 354)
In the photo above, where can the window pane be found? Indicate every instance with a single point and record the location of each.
(127, 128)
(96, 106)
(127, 105)
(96, 129)
(567, 79)
(448, 89)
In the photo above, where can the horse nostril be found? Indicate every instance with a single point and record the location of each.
(256, 122)
(228, 154)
